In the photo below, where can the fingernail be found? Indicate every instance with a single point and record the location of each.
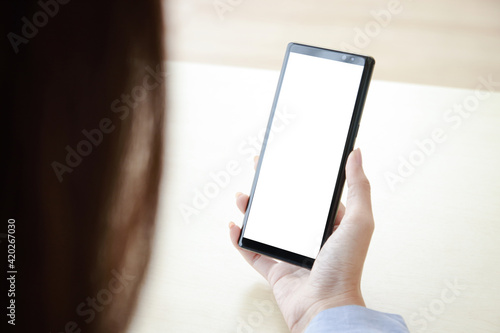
(237, 195)
(358, 157)
(231, 224)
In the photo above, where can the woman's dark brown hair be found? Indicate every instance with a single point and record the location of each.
(83, 117)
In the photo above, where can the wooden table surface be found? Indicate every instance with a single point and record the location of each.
(448, 42)
(431, 154)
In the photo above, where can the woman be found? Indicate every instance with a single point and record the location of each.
(85, 114)
(82, 169)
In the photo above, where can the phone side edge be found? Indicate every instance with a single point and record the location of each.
(264, 143)
(349, 145)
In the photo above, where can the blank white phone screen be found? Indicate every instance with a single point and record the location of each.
(301, 162)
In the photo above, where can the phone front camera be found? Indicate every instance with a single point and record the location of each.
(352, 58)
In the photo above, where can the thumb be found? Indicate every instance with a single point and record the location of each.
(358, 204)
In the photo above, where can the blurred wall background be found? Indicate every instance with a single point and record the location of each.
(440, 42)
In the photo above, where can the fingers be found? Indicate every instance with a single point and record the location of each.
(358, 203)
(358, 195)
(241, 201)
(260, 263)
(234, 234)
(255, 161)
(340, 214)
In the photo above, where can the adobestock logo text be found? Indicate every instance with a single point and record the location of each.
(121, 106)
(221, 179)
(48, 9)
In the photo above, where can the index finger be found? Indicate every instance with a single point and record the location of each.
(260, 263)
(255, 161)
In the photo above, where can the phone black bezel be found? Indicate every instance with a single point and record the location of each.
(368, 63)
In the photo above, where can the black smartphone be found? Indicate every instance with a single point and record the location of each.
(301, 171)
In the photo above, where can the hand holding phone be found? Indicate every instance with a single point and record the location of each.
(300, 175)
(336, 275)
(287, 218)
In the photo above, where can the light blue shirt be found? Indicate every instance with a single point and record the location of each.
(356, 319)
